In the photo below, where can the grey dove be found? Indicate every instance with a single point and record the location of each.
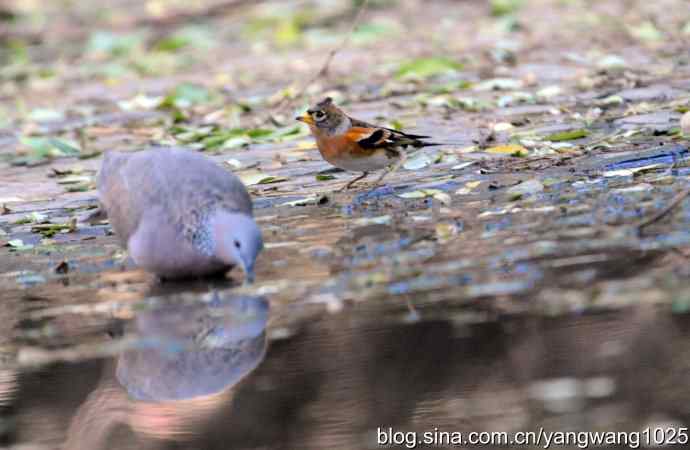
(178, 213)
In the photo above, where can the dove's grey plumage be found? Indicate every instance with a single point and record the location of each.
(178, 213)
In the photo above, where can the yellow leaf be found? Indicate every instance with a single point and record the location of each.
(510, 149)
(444, 231)
(306, 145)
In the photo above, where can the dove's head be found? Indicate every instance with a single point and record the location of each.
(237, 240)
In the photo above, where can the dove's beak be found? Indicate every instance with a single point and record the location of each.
(248, 273)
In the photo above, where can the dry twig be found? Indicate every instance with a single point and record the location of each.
(675, 201)
(323, 71)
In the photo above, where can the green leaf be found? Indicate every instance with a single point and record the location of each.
(44, 147)
(504, 7)
(427, 67)
(259, 133)
(191, 36)
(65, 147)
(185, 95)
(236, 142)
(567, 135)
(372, 32)
(320, 177)
(436, 194)
(113, 44)
(646, 32)
(451, 87)
(45, 115)
(18, 244)
(171, 44)
(287, 32)
(84, 187)
(34, 217)
(396, 125)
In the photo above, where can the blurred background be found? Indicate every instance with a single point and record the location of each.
(509, 287)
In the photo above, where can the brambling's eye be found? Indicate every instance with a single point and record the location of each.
(319, 115)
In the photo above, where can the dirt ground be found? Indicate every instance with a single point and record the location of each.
(546, 240)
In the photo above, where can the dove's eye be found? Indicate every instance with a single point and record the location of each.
(319, 115)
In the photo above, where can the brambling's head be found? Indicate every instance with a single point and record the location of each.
(324, 117)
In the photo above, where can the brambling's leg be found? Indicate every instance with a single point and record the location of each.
(392, 169)
(353, 181)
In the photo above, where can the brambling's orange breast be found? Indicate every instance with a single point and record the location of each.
(340, 147)
(348, 155)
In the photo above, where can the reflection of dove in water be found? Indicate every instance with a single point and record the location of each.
(178, 213)
(193, 350)
(190, 357)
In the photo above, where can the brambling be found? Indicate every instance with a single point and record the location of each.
(358, 146)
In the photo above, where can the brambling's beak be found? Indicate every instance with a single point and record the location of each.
(306, 118)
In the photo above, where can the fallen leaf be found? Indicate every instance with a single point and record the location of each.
(18, 244)
(185, 95)
(45, 115)
(525, 188)
(34, 217)
(612, 62)
(141, 102)
(75, 179)
(509, 149)
(444, 231)
(235, 164)
(417, 162)
(44, 147)
(115, 44)
(305, 201)
(685, 124)
(254, 178)
(549, 92)
(379, 220)
(567, 135)
(306, 145)
(631, 171)
(516, 98)
(499, 84)
(463, 165)
(611, 100)
(646, 32)
(436, 194)
(427, 67)
(505, 7)
(469, 186)
(503, 126)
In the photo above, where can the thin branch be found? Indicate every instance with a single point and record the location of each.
(323, 71)
(675, 201)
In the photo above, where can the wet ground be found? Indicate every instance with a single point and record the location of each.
(530, 272)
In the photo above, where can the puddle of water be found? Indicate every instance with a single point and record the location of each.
(200, 376)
